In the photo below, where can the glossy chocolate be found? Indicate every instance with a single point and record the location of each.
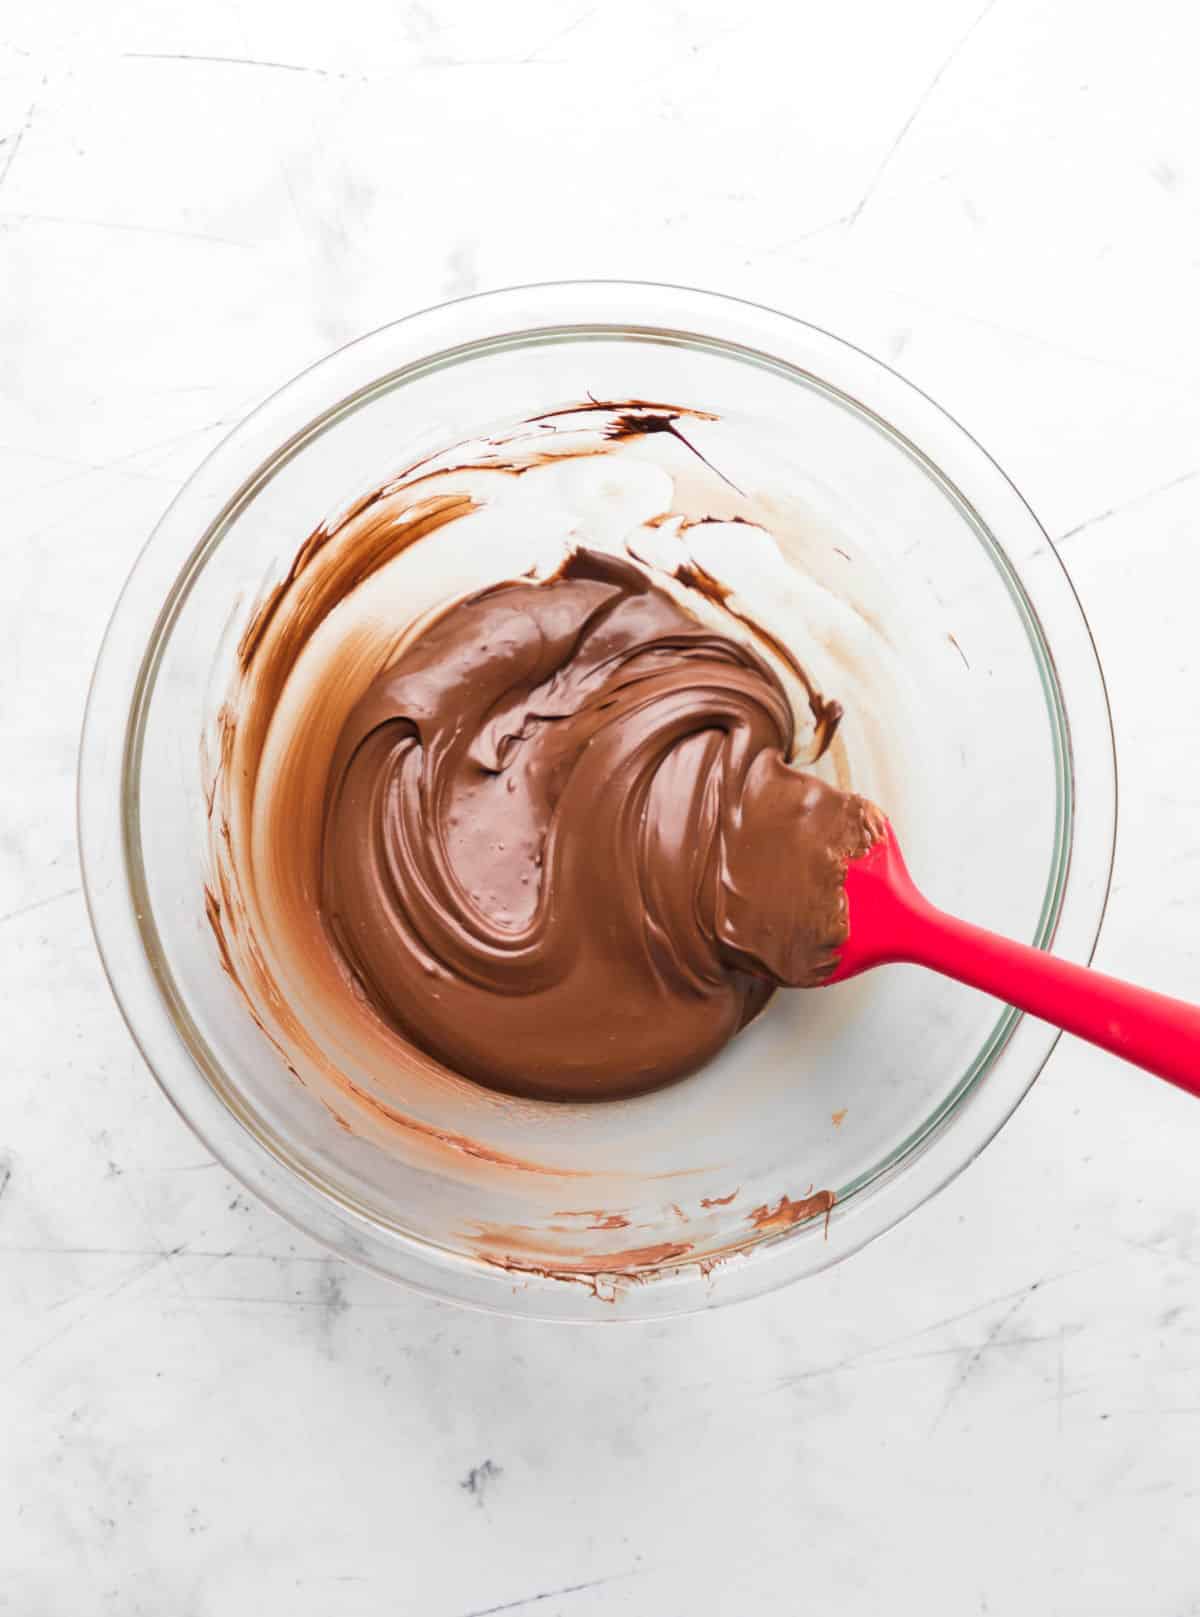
(563, 850)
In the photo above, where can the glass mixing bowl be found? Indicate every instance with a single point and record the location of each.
(876, 1092)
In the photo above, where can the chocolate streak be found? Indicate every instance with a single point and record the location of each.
(562, 849)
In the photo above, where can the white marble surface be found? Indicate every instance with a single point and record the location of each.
(997, 1408)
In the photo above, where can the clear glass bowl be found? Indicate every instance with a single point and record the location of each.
(880, 1090)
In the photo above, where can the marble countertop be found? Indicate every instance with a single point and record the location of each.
(995, 1409)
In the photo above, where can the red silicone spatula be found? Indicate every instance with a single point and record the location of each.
(890, 920)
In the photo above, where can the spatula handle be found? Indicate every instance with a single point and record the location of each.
(891, 920)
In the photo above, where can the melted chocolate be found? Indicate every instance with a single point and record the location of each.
(563, 850)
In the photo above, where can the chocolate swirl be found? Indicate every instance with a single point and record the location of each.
(563, 850)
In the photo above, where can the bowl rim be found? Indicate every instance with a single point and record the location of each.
(915, 1171)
